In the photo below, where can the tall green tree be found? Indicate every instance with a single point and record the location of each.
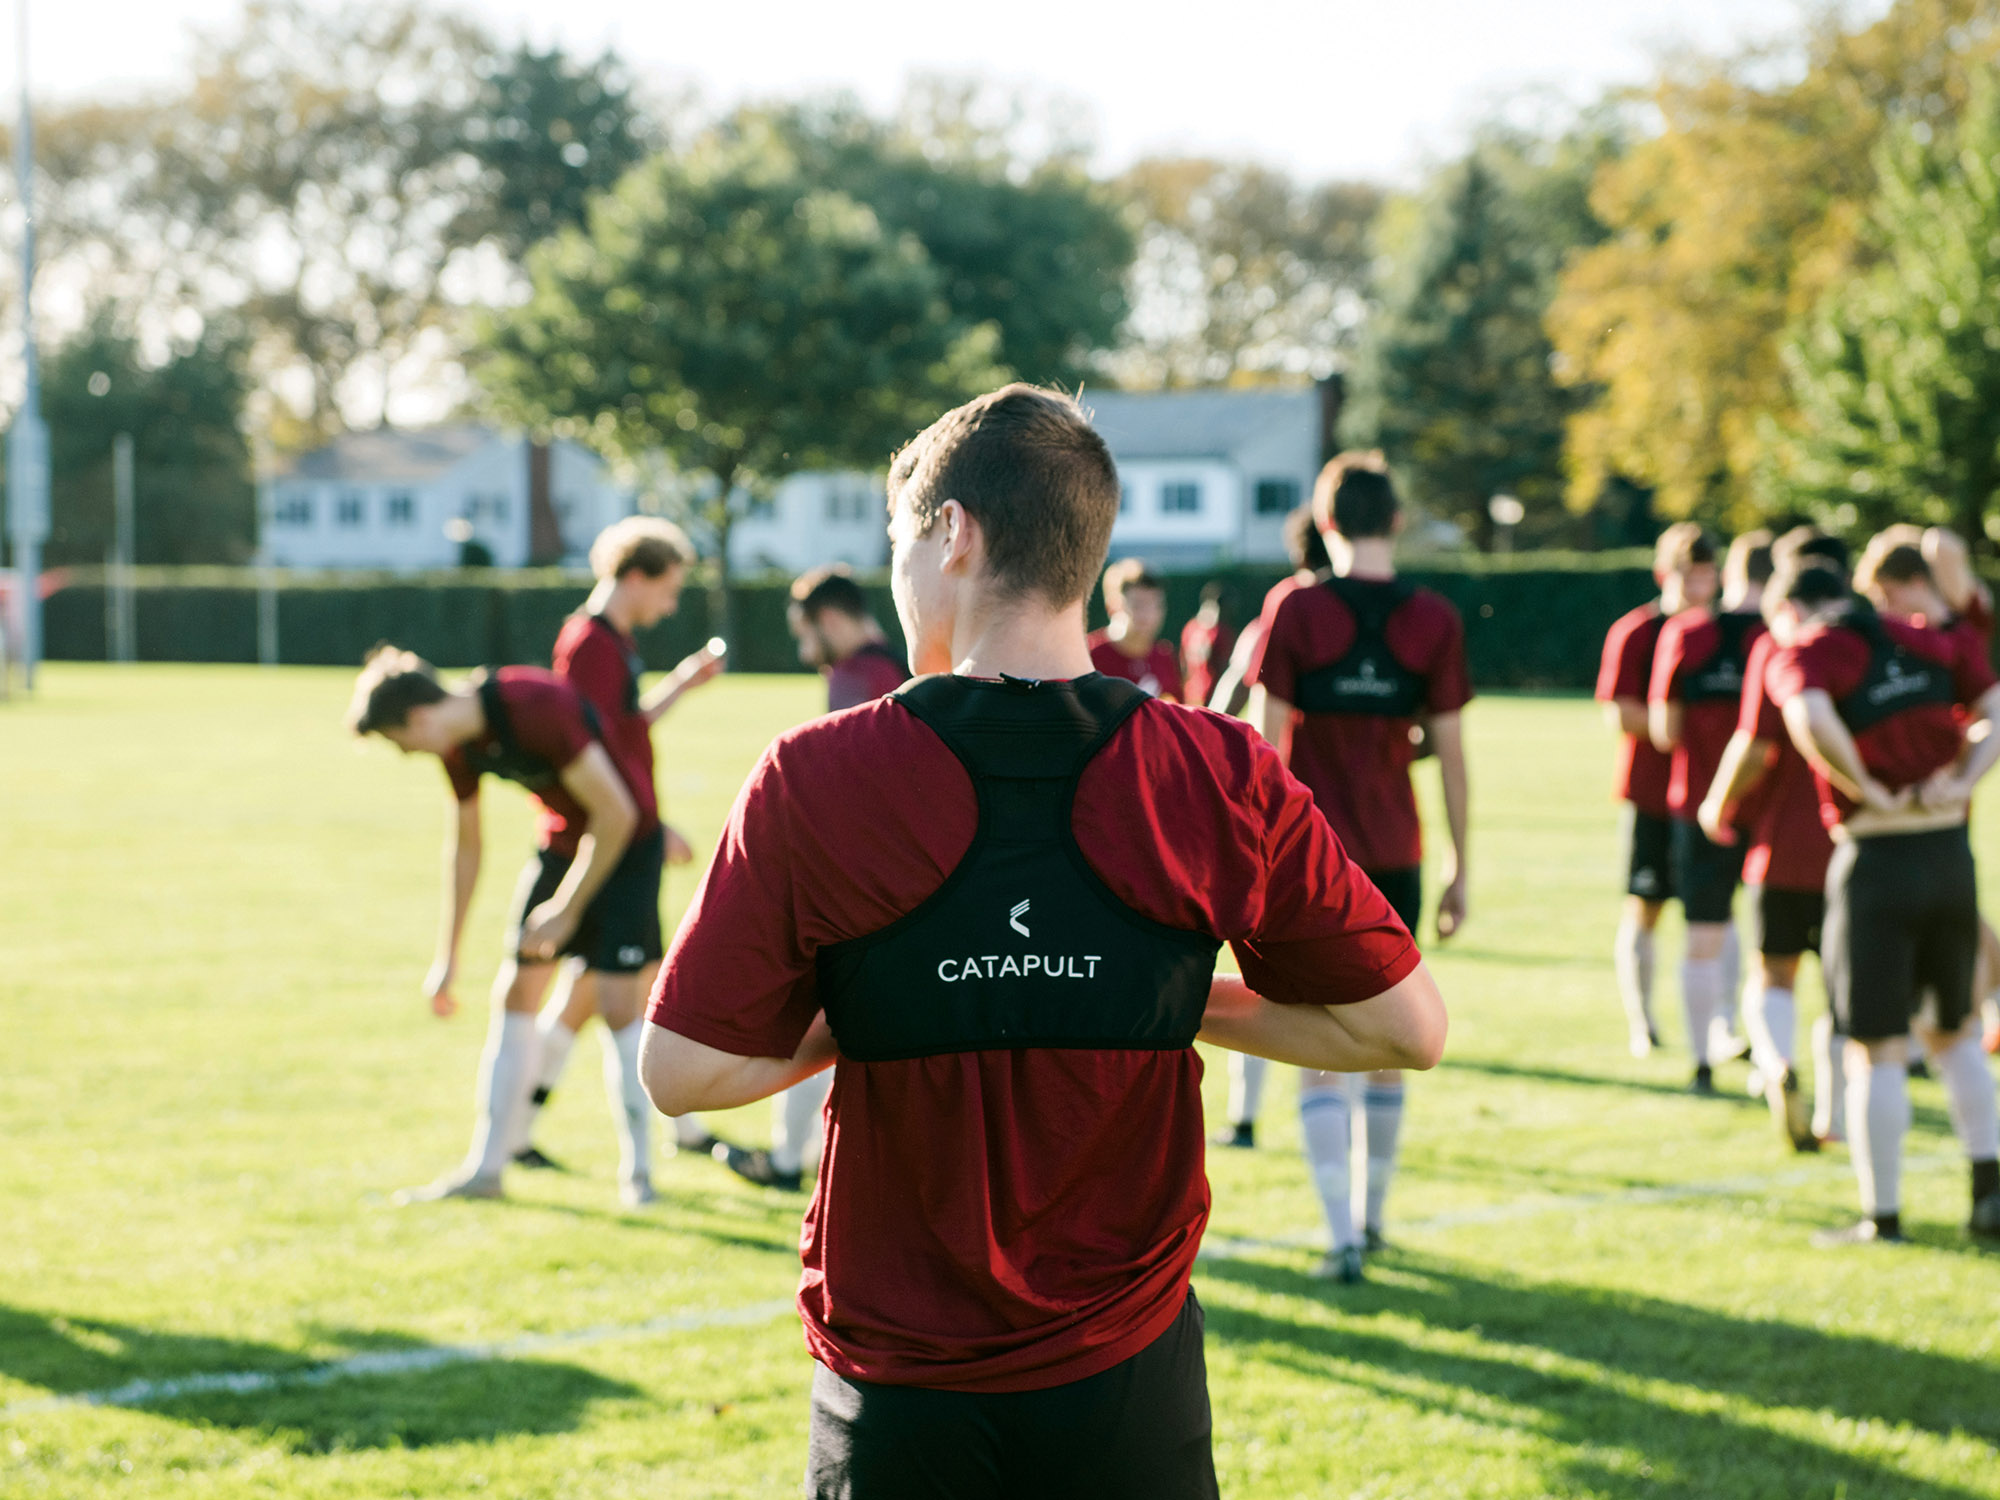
(1896, 376)
(727, 309)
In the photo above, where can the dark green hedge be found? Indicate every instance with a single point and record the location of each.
(1532, 621)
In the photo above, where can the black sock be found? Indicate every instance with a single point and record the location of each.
(1985, 1179)
(1888, 1226)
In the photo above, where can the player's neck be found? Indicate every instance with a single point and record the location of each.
(1366, 557)
(1021, 639)
(609, 601)
(1745, 601)
(1128, 641)
(461, 717)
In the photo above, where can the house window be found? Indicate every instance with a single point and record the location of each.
(1180, 496)
(847, 503)
(1276, 497)
(486, 507)
(347, 510)
(1124, 499)
(401, 508)
(294, 508)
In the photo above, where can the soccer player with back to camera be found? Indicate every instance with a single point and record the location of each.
(641, 564)
(995, 897)
(1131, 646)
(1684, 569)
(1762, 794)
(1347, 669)
(837, 636)
(1882, 709)
(591, 889)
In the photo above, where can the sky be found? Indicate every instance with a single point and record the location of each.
(1334, 89)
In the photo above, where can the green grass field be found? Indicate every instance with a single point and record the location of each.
(215, 911)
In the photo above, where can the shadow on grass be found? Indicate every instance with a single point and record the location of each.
(435, 1401)
(1685, 1453)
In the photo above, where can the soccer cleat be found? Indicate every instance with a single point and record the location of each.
(756, 1166)
(1373, 1241)
(1985, 1220)
(1242, 1137)
(454, 1185)
(1863, 1232)
(637, 1192)
(1342, 1266)
(535, 1160)
(1790, 1109)
(1919, 1068)
(1703, 1082)
(702, 1145)
(1642, 1043)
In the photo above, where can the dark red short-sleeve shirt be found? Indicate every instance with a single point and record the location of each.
(996, 1221)
(868, 673)
(1358, 765)
(600, 663)
(1689, 642)
(1789, 849)
(1626, 671)
(1158, 671)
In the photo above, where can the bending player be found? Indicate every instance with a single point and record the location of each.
(1684, 568)
(592, 887)
(1344, 672)
(997, 896)
(1130, 646)
(1879, 707)
(837, 635)
(1692, 706)
(641, 565)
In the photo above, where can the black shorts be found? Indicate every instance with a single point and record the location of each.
(1705, 874)
(1902, 918)
(1139, 1429)
(620, 930)
(1649, 864)
(1788, 922)
(1404, 891)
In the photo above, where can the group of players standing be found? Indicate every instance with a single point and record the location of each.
(1818, 738)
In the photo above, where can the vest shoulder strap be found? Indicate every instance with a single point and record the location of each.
(1008, 732)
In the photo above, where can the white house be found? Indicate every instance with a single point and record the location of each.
(812, 519)
(410, 499)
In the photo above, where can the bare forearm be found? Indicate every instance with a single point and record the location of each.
(1336, 1039)
(1744, 762)
(1457, 792)
(596, 857)
(682, 1075)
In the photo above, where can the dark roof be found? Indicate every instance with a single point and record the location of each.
(389, 454)
(1183, 424)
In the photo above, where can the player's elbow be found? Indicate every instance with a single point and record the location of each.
(668, 1084)
(1415, 1035)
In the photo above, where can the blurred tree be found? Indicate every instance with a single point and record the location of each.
(1896, 375)
(727, 308)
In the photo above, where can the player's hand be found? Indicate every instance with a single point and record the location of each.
(438, 986)
(679, 850)
(1943, 790)
(1713, 817)
(547, 928)
(1878, 798)
(701, 667)
(1451, 909)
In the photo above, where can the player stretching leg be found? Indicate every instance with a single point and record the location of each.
(591, 889)
(1130, 646)
(641, 563)
(1345, 670)
(1875, 705)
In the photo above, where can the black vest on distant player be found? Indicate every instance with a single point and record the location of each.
(505, 757)
(1897, 679)
(1023, 945)
(1368, 679)
(635, 664)
(1721, 676)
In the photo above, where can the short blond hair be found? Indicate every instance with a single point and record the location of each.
(1127, 573)
(645, 543)
(1682, 546)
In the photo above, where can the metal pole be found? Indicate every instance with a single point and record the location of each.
(28, 441)
(123, 547)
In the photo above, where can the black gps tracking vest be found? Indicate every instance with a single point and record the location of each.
(506, 758)
(1368, 679)
(635, 664)
(1896, 679)
(1023, 945)
(1721, 676)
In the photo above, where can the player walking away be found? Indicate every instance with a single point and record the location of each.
(1881, 709)
(1206, 641)
(641, 564)
(592, 888)
(829, 618)
(1130, 646)
(1692, 706)
(998, 894)
(1763, 794)
(1346, 668)
(1684, 568)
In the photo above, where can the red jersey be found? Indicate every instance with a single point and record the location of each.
(1358, 765)
(868, 673)
(1205, 652)
(1158, 671)
(1009, 1220)
(603, 664)
(1899, 746)
(1626, 671)
(550, 722)
(1699, 664)
(1789, 848)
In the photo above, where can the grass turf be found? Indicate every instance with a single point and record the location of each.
(215, 911)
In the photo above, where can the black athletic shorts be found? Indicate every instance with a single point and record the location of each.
(620, 930)
(1705, 874)
(1902, 917)
(1404, 890)
(1649, 863)
(1137, 1431)
(1788, 922)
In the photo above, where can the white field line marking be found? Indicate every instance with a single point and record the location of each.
(431, 1357)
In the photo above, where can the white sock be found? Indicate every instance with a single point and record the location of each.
(1382, 1115)
(795, 1119)
(1246, 1087)
(1326, 1119)
(1771, 1016)
(1878, 1117)
(1732, 974)
(1701, 996)
(1632, 959)
(1829, 1081)
(506, 1068)
(553, 1040)
(1969, 1095)
(631, 1110)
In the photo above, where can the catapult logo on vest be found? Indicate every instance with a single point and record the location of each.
(1012, 966)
